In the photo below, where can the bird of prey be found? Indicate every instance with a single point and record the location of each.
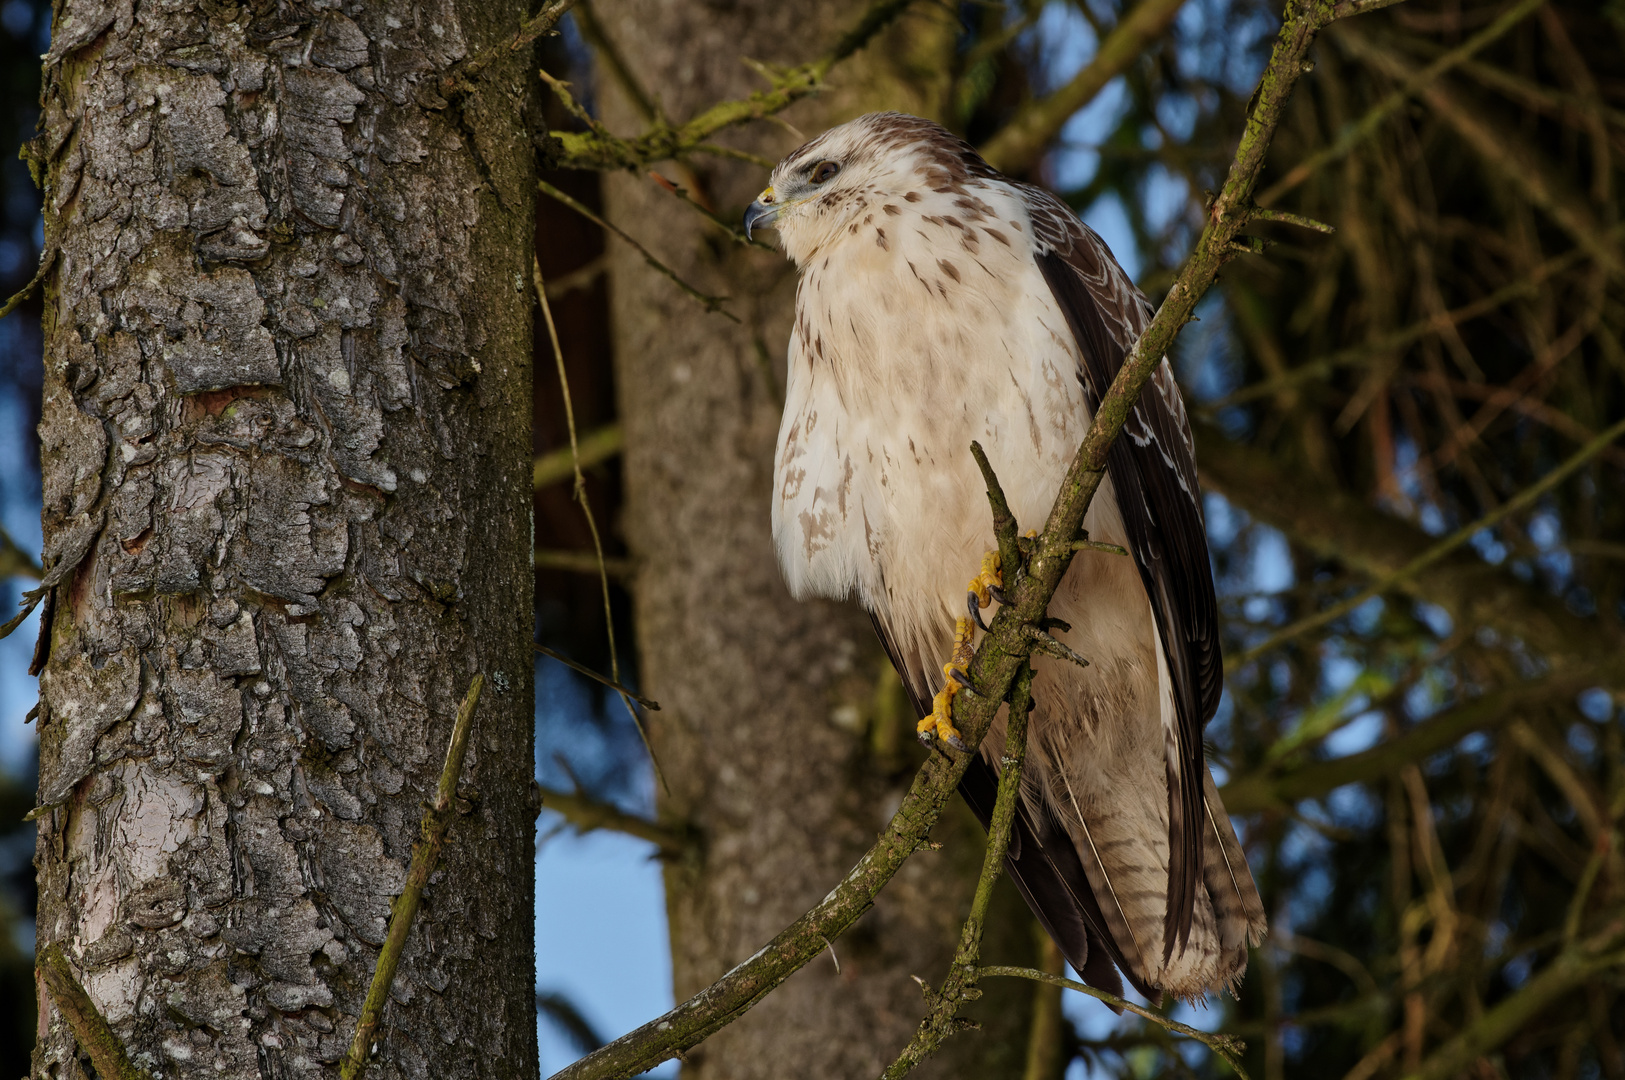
(940, 302)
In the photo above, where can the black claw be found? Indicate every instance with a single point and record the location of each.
(962, 678)
(997, 594)
(974, 606)
(926, 738)
(957, 743)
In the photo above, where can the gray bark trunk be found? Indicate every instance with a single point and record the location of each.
(286, 436)
(768, 731)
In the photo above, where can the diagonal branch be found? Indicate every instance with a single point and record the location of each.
(586, 814)
(705, 300)
(1269, 788)
(1226, 1046)
(95, 1037)
(437, 818)
(594, 150)
(1335, 524)
(959, 987)
(1015, 148)
(1523, 165)
(1435, 553)
(1005, 648)
(1356, 133)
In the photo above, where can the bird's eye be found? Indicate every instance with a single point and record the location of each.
(823, 171)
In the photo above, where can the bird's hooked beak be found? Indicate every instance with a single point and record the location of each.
(762, 212)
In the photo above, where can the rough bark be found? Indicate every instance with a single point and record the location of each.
(767, 730)
(286, 433)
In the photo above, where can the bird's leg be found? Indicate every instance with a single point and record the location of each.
(981, 591)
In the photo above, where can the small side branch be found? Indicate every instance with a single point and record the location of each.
(1227, 1047)
(586, 814)
(534, 28)
(95, 1037)
(596, 446)
(425, 857)
(647, 703)
(705, 300)
(591, 150)
(15, 562)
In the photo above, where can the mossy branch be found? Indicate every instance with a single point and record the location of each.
(1005, 648)
(959, 986)
(437, 820)
(662, 142)
(95, 1037)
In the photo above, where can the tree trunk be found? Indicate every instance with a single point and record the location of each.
(286, 437)
(782, 741)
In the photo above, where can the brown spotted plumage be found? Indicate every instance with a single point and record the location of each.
(1122, 847)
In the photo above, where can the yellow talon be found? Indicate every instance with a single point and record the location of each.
(990, 578)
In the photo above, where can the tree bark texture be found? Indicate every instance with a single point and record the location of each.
(286, 448)
(775, 731)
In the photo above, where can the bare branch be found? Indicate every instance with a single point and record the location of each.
(589, 150)
(1272, 789)
(1226, 1046)
(1367, 125)
(1334, 524)
(1016, 147)
(543, 22)
(595, 446)
(1522, 501)
(15, 562)
(710, 303)
(959, 986)
(587, 814)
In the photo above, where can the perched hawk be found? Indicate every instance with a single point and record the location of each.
(940, 303)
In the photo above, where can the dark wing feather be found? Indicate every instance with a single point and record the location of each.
(1043, 864)
(1153, 469)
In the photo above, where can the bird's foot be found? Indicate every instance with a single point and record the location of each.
(940, 724)
(984, 587)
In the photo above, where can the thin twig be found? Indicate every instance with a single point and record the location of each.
(1525, 498)
(592, 526)
(543, 21)
(90, 1029)
(735, 233)
(1360, 354)
(647, 703)
(579, 562)
(705, 300)
(437, 820)
(16, 562)
(47, 260)
(1227, 1047)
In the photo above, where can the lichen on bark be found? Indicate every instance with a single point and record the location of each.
(286, 435)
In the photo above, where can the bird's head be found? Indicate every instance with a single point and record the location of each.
(822, 189)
